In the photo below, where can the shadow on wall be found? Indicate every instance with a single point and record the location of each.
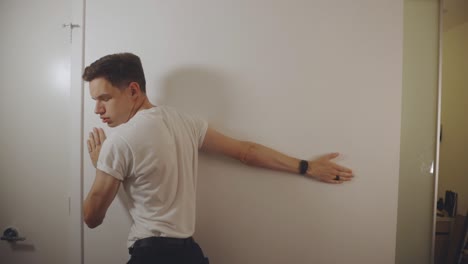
(200, 91)
(211, 95)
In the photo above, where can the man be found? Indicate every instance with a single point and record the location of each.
(154, 154)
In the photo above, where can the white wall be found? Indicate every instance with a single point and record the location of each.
(34, 130)
(418, 132)
(305, 77)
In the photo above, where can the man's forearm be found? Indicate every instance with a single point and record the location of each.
(321, 169)
(258, 155)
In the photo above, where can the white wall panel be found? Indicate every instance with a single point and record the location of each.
(304, 77)
(35, 54)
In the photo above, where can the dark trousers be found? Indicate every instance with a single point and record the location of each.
(165, 250)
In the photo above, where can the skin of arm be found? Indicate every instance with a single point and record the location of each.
(253, 154)
(99, 198)
(104, 187)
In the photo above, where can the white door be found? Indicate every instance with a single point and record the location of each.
(305, 77)
(34, 131)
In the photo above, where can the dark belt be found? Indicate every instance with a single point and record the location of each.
(155, 242)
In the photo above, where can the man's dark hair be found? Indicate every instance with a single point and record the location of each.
(119, 69)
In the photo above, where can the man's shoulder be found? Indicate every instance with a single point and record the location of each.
(118, 136)
(169, 110)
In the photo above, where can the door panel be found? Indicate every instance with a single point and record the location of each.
(34, 115)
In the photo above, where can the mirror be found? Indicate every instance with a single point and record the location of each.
(452, 186)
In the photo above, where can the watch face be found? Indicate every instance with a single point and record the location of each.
(303, 166)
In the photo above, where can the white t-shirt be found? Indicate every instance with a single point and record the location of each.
(155, 155)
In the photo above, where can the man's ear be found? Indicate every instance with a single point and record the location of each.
(134, 89)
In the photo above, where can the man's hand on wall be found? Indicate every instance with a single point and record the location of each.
(95, 140)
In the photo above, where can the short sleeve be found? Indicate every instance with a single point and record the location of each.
(115, 158)
(198, 127)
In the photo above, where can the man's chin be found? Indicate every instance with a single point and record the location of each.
(112, 124)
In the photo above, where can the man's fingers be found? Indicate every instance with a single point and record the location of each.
(91, 140)
(96, 136)
(341, 168)
(332, 155)
(90, 148)
(332, 181)
(102, 135)
(339, 176)
(345, 178)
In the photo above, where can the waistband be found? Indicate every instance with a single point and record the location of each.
(162, 241)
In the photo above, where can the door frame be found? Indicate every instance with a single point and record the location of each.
(76, 239)
(439, 124)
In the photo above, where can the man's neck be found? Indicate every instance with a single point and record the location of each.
(140, 105)
(146, 104)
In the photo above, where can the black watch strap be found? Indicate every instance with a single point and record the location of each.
(303, 166)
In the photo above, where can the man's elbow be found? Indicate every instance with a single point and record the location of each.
(248, 153)
(92, 221)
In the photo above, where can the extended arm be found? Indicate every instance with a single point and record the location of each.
(254, 154)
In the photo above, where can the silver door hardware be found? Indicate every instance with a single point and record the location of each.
(71, 26)
(11, 235)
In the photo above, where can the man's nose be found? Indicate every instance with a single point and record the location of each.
(98, 109)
